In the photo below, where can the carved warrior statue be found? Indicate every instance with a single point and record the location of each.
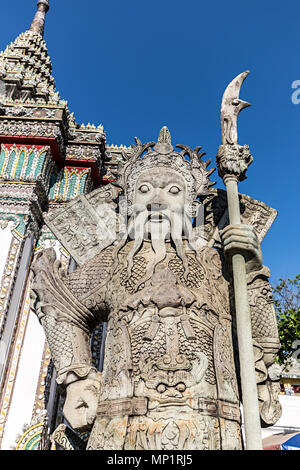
(163, 284)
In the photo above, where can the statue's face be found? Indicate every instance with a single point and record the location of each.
(158, 215)
(160, 193)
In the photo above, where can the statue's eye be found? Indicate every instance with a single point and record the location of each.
(174, 190)
(144, 188)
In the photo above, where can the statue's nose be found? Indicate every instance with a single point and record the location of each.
(156, 206)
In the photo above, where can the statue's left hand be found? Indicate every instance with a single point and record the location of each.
(243, 239)
(81, 403)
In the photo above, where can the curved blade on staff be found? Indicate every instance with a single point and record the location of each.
(231, 106)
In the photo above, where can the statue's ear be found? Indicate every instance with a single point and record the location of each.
(253, 212)
(86, 225)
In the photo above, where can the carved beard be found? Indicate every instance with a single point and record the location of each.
(140, 227)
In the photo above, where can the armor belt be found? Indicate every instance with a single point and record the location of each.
(220, 408)
(137, 406)
(123, 407)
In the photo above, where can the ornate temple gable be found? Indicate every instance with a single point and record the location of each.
(114, 155)
(24, 182)
(25, 163)
(31, 110)
(30, 180)
(68, 183)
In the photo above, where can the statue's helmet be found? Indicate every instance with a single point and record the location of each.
(188, 163)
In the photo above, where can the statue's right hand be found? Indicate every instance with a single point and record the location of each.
(81, 403)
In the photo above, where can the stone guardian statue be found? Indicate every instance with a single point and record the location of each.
(163, 284)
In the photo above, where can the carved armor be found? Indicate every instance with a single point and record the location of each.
(169, 378)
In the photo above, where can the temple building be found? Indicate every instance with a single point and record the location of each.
(46, 160)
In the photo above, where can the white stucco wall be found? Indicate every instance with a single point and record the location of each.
(21, 407)
(290, 418)
(5, 241)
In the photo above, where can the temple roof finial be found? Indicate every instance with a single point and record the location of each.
(164, 145)
(164, 136)
(38, 23)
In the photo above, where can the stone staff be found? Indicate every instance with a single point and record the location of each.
(233, 161)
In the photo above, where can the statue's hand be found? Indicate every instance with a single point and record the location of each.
(242, 239)
(81, 402)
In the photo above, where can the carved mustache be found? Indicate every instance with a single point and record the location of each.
(153, 208)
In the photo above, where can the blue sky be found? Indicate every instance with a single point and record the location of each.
(135, 66)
